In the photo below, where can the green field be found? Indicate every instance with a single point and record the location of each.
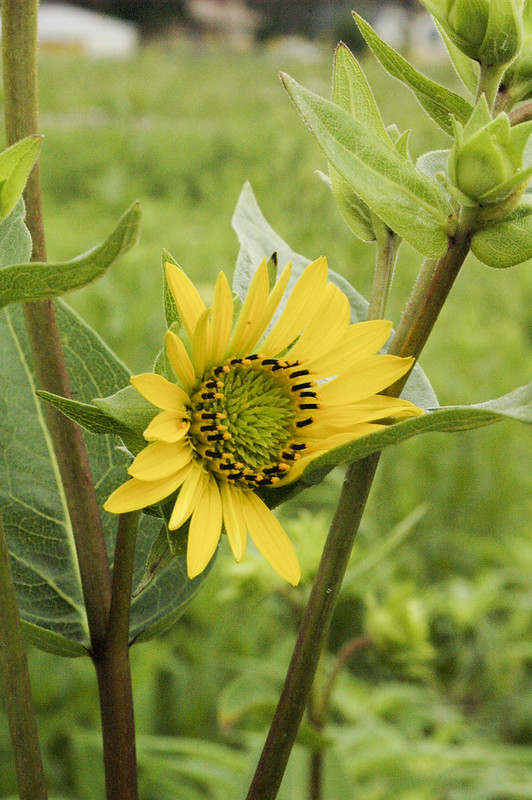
(439, 705)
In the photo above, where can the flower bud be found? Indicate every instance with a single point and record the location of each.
(488, 31)
(517, 79)
(485, 166)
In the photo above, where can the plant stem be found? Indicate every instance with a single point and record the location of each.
(488, 83)
(313, 630)
(17, 689)
(384, 267)
(114, 675)
(521, 114)
(19, 37)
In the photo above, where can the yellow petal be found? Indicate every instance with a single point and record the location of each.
(270, 538)
(360, 341)
(233, 516)
(160, 392)
(205, 529)
(188, 301)
(327, 421)
(180, 361)
(135, 494)
(222, 319)
(274, 298)
(300, 307)
(248, 327)
(201, 343)
(337, 439)
(159, 460)
(325, 329)
(369, 377)
(168, 426)
(188, 496)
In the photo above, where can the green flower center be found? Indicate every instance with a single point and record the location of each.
(246, 418)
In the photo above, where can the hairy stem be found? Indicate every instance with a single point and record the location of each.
(17, 689)
(114, 675)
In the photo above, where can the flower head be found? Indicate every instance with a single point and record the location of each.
(253, 404)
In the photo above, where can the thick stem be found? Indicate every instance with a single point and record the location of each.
(114, 675)
(313, 630)
(19, 44)
(488, 83)
(17, 689)
(521, 114)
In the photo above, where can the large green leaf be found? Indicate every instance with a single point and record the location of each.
(509, 242)
(33, 507)
(22, 283)
(15, 166)
(15, 239)
(515, 405)
(407, 200)
(257, 239)
(466, 69)
(440, 103)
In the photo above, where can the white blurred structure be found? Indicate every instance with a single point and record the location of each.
(71, 28)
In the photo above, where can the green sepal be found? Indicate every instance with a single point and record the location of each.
(440, 103)
(25, 283)
(467, 70)
(128, 408)
(402, 196)
(88, 416)
(15, 165)
(507, 243)
(15, 239)
(159, 556)
(171, 313)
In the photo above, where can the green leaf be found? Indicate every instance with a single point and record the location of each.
(406, 200)
(15, 239)
(23, 283)
(33, 507)
(15, 166)
(515, 405)
(171, 312)
(440, 103)
(129, 409)
(257, 237)
(509, 242)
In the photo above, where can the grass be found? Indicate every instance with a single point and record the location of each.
(439, 707)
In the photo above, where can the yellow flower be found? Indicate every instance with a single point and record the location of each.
(252, 410)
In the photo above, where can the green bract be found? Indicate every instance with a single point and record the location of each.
(488, 31)
(485, 166)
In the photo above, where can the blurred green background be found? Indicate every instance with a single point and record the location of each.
(437, 702)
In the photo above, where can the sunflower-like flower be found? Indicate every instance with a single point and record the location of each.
(253, 405)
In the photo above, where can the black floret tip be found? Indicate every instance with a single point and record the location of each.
(300, 386)
(301, 423)
(299, 373)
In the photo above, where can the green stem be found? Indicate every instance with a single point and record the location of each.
(521, 114)
(19, 45)
(114, 674)
(382, 280)
(17, 689)
(488, 83)
(313, 630)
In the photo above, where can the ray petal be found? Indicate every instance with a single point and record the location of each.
(205, 529)
(233, 516)
(159, 460)
(201, 343)
(369, 377)
(186, 296)
(247, 329)
(270, 538)
(188, 496)
(360, 341)
(168, 426)
(160, 392)
(304, 299)
(326, 329)
(135, 494)
(180, 360)
(222, 319)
